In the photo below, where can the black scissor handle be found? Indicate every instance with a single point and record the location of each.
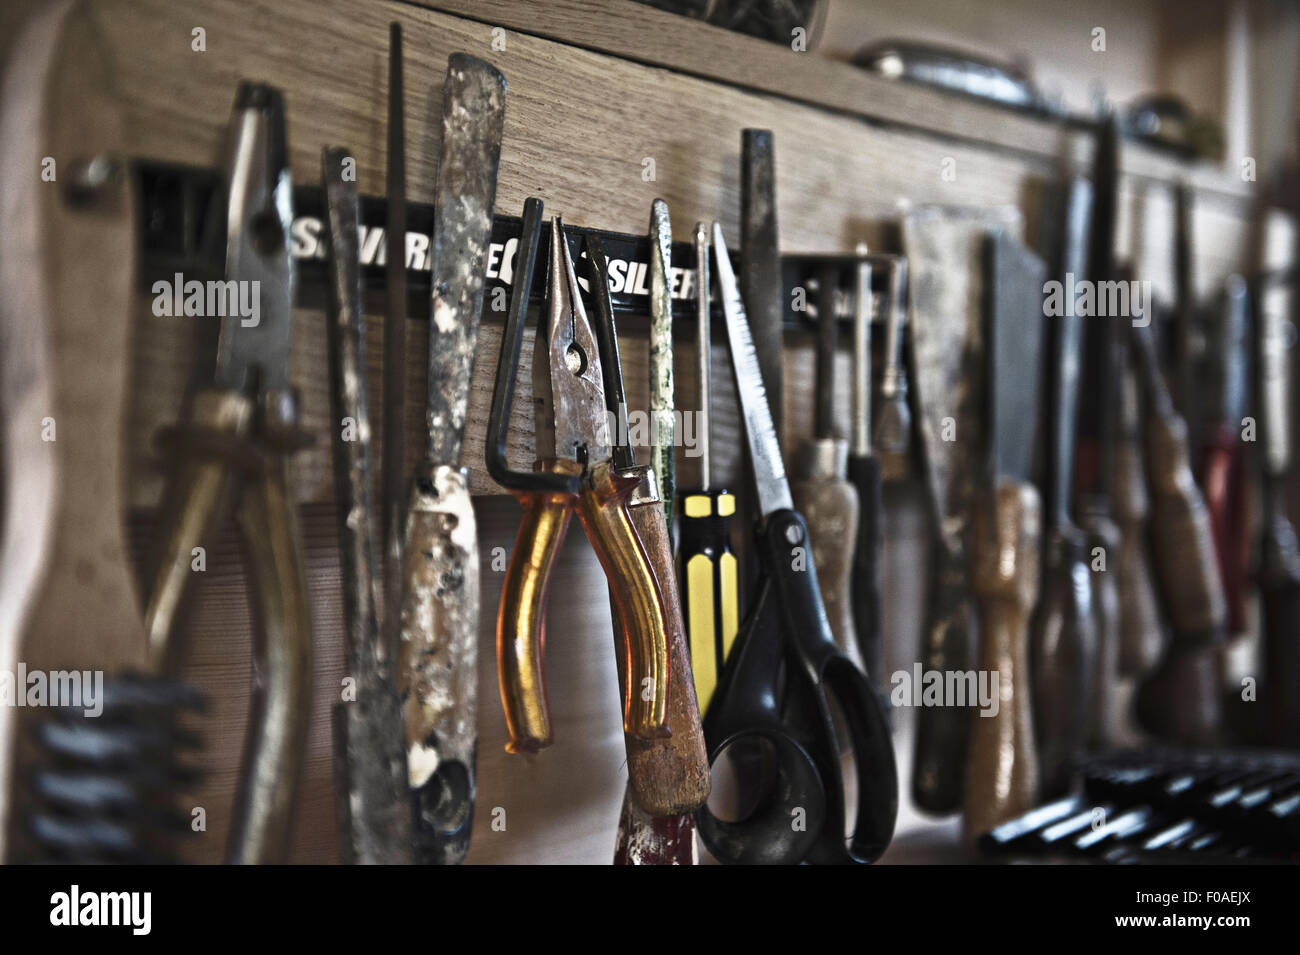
(788, 625)
(817, 667)
(788, 815)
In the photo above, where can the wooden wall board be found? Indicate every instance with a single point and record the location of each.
(579, 124)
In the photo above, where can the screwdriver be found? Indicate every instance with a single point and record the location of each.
(708, 567)
(822, 492)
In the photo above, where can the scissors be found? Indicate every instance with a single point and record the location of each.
(783, 671)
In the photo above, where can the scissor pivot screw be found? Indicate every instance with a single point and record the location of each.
(793, 533)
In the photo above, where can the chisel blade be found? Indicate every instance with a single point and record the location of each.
(1014, 288)
(473, 118)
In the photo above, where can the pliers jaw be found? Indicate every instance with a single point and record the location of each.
(571, 419)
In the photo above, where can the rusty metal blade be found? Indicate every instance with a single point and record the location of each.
(473, 117)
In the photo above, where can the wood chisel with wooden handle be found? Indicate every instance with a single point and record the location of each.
(370, 755)
(1095, 448)
(668, 779)
(1064, 644)
(1180, 700)
(821, 490)
(440, 587)
(944, 249)
(1002, 769)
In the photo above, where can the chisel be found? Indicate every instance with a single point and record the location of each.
(1096, 451)
(1064, 646)
(1002, 769)
(440, 586)
(944, 248)
(821, 490)
(708, 566)
(1180, 701)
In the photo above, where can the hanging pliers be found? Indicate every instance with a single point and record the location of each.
(573, 448)
(240, 432)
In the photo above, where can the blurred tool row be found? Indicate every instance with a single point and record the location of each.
(1089, 562)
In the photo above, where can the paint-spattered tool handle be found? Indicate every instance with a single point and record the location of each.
(437, 662)
(638, 600)
(1062, 652)
(1002, 770)
(1279, 587)
(943, 732)
(865, 476)
(521, 617)
(280, 716)
(670, 776)
(644, 839)
(710, 585)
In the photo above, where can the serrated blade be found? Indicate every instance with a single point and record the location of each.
(473, 117)
(764, 450)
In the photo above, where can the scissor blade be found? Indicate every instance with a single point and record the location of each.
(764, 450)
(473, 115)
(253, 345)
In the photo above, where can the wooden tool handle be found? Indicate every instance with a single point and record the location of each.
(67, 269)
(638, 601)
(1106, 718)
(281, 709)
(669, 776)
(1141, 630)
(521, 617)
(943, 732)
(1002, 771)
(437, 671)
(1062, 656)
(1186, 567)
(830, 509)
